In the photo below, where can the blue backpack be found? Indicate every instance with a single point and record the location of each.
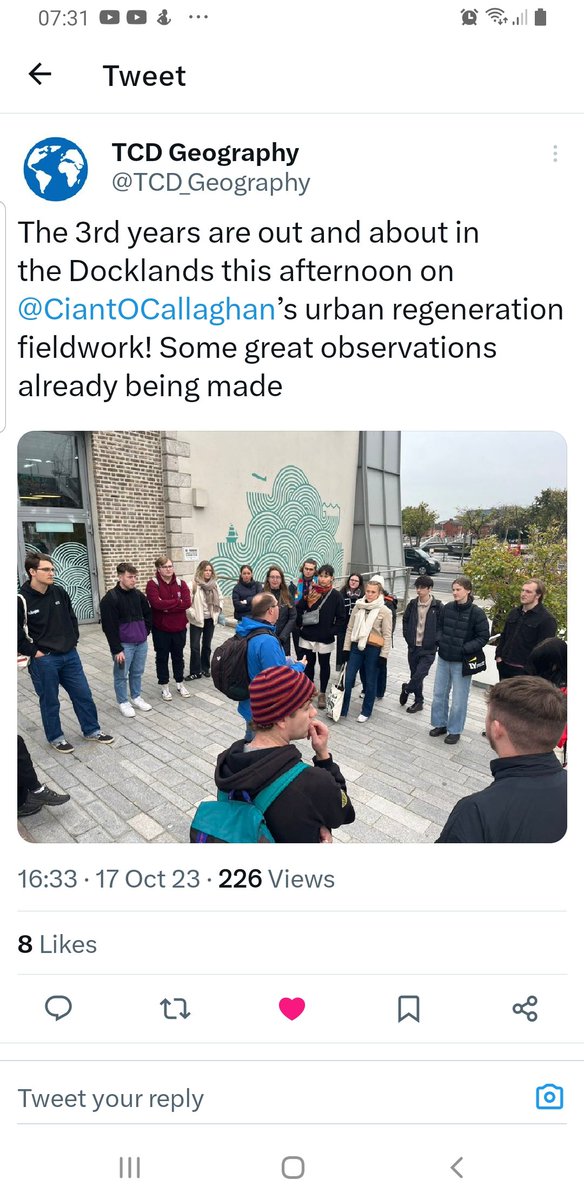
(228, 820)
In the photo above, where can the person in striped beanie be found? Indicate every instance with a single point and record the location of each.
(315, 801)
(277, 693)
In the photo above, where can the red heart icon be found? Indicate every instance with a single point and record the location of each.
(292, 1008)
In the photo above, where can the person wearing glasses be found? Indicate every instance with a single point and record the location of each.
(48, 633)
(264, 648)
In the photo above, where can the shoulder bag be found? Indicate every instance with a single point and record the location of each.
(375, 639)
(474, 665)
(312, 615)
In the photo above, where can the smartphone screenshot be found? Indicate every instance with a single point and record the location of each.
(290, 438)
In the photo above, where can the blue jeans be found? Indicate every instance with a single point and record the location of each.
(64, 669)
(449, 676)
(368, 659)
(132, 669)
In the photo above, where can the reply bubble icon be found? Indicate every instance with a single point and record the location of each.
(58, 1007)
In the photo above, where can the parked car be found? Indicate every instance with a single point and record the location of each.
(435, 545)
(459, 549)
(420, 562)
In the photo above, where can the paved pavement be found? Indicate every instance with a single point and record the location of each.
(146, 786)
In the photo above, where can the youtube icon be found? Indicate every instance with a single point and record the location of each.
(136, 16)
(109, 16)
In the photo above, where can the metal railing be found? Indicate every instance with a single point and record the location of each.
(396, 579)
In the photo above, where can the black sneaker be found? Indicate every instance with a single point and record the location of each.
(438, 731)
(103, 739)
(63, 747)
(403, 696)
(32, 805)
(207, 674)
(416, 707)
(48, 796)
(452, 739)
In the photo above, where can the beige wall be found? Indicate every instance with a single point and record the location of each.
(298, 518)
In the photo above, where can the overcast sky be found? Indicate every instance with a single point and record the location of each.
(477, 470)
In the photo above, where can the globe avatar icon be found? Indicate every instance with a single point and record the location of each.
(55, 169)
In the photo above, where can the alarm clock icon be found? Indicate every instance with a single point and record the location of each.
(469, 16)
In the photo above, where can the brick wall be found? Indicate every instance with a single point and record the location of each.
(130, 500)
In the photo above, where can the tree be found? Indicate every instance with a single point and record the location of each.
(498, 574)
(417, 520)
(550, 508)
(473, 520)
(509, 522)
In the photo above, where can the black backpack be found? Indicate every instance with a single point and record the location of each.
(391, 603)
(229, 666)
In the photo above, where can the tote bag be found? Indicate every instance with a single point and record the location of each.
(335, 694)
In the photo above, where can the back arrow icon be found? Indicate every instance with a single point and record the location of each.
(36, 72)
(454, 1166)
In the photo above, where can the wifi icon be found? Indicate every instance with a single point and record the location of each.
(496, 14)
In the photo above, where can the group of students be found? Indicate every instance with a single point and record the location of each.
(167, 609)
(317, 618)
(525, 718)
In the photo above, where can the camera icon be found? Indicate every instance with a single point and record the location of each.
(549, 1095)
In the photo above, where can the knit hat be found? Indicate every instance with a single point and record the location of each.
(277, 693)
(378, 579)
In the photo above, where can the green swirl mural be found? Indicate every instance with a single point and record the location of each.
(72, 573)
(286, 526)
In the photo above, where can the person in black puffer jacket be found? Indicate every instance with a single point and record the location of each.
(463, 633)
(244, 591)
(276, 584)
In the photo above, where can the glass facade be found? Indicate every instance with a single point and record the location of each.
(377, 532)
(54, 513)
(48, 470)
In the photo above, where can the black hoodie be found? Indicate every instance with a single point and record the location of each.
(316, 797)
(52, 624)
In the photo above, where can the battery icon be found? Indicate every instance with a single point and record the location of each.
(540, 16)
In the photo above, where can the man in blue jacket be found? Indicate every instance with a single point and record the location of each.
(262, 652)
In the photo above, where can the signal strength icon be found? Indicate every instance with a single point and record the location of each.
(497, 15)
(522, 19)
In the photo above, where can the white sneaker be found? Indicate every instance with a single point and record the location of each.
(126, 709)
(141, 704)
(362, 718)
(166, 693)
(182, 690)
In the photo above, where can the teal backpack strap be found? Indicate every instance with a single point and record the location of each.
(272, 791)
(268, 794)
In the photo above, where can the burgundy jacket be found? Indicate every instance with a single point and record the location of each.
(169, 603)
